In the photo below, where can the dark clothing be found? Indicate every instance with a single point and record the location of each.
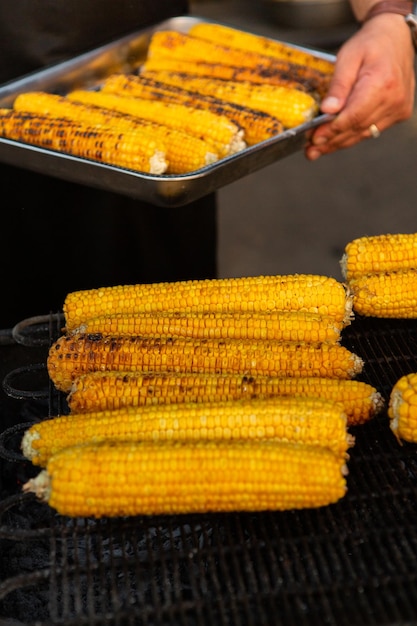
(58, 236)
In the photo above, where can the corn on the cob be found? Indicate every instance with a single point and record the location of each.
(379, 253)
(402, 408)
(257, 125)
(386, 294)
(126, 148)
(184, 152)
(252, 42)
(149, 478)
(71, 356)
(291, 106)
(282, 325)
(311, 421)
(262, 75)
(306, 292)
(217, 130)
(98, 391)
(186, 47)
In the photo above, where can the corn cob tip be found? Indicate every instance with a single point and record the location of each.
(28, 450)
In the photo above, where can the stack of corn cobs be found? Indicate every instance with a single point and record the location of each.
(179, 112)
(198, 396)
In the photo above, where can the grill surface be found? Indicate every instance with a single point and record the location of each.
(353, 562)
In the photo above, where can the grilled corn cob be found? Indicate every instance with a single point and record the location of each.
(148, 478)
(299, 420)
(71, 356)
(282, 325)
(133, 149)
(99, 391)
(402, 408)
(306, 292)
(380, 253)
(184, 152)
(251, 42)
(257, 125)
(262, 75)
(186, 47)
(386, 294)
(215, 129)
(291, 106)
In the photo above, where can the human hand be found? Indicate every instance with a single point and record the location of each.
(372, 87)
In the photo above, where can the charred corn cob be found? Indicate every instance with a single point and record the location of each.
(99, 391)
(386, 294)
(402, 408)
(184, 152)
(306, 292)
(251, 42)
(149, 478)
(186, 47)
(379, 253)
(263, 75)
(282, 325)
(133, 149)
(217, 130)
(300, 420)
(257, 125)
(291, 106)
(71, 356)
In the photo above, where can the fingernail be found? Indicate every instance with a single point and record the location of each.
(330, 104)
(319, 141)
(313, 154)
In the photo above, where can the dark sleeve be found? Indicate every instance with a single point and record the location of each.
(36, 33)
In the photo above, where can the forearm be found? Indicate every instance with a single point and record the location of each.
(361, 8)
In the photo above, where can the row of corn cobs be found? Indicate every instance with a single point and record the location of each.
(198, 396)
(381, 273)
(180, 112)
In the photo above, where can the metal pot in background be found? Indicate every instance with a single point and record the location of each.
(309, 13)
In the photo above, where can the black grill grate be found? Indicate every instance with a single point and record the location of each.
(354, 562)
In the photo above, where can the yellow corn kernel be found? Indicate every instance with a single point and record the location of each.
(379, 253)
(306, 292)
(402, 408)
(257, 125)
(291, 106)
(262, 75)
(215, 129)
(71, 356)
(282, 325)
(99, 391)
(387, 294)
(161, 477)
(128, 148)
(311, 421)
(251, 42)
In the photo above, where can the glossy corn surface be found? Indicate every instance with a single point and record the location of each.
(98, 391)
(291, 106)
(257, 125)
(280, 325)
(302, 420)
(402, 408)
(71, 356)
(150, 478)
(127, 148)
(379, 253)
(313, 293)
(223, 135)
(386, 294)
(251, 42)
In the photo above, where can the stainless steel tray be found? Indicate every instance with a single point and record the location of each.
(126, 55)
